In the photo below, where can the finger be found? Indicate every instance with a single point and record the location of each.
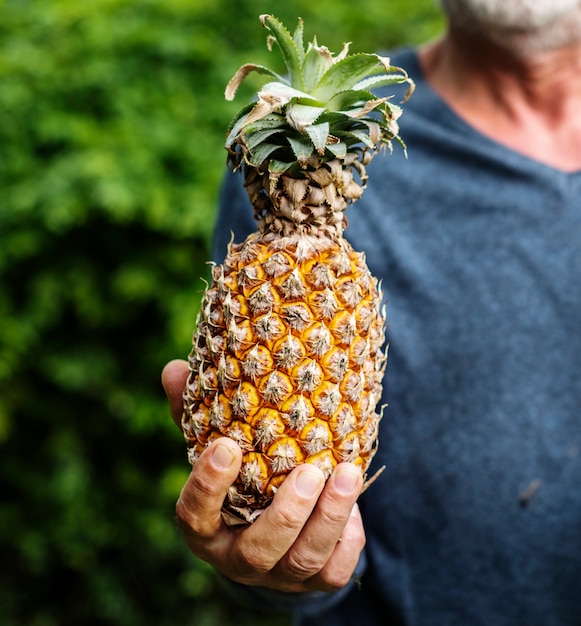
(263, 544)
(173, 379)
(319, 539)
(339, 568)
(199, 506)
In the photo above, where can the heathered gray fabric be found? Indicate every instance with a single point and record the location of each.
(477, 518)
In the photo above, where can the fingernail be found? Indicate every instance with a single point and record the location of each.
(308, 483)
(346, 480)
(222, 456)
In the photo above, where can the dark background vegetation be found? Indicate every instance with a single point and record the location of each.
(112, 124)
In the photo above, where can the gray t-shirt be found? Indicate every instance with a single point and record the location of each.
(477, 518)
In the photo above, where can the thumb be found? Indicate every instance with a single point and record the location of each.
(200, 503)
(173, 379)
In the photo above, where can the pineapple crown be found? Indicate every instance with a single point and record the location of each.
(304, 144)
(321, 111)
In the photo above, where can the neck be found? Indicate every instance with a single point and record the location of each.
(527, 102)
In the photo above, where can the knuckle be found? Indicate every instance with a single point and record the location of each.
(182, 512)
(251, 561)
(355, 536)
(331, 519)
(287, 520)
(203, 485)
(186, 507)
(191, 512)
(335, 579)
(301, 566)
(354, 533)
(189, 522)
(332, 577)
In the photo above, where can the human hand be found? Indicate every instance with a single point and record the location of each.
(308, 539)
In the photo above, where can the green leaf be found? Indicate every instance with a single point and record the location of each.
(263, 152)
(288, 48)
(298, 39)
(300, 116)
(278, 167)
(345, 74)
(302, 147)
(255, 138)
(373, 82)
(319, 135)
(237, 124)
(272, 97)
(345, 100)
(274, 120)
(338, 149)
(317, 62)
(337, 120)
(356, 136)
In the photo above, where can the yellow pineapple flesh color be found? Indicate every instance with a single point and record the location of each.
(287, 361)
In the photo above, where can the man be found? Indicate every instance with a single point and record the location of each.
(477, 239)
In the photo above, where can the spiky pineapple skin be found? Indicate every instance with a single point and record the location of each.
(288, 360)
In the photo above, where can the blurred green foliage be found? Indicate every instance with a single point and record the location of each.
(112, 123)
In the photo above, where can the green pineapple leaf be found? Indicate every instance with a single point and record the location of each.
(373, 82)
(298, 39)
(302, 147)
(357, 136)
(346, 73)
(319, 135)
(276, 166)
(235, 126)
(347, 100)
(317, 62)
(300, 116)
(288, 47)
(262, 152)
(338, 150)
(253, 140)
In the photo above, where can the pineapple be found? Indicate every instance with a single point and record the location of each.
(288, 352)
